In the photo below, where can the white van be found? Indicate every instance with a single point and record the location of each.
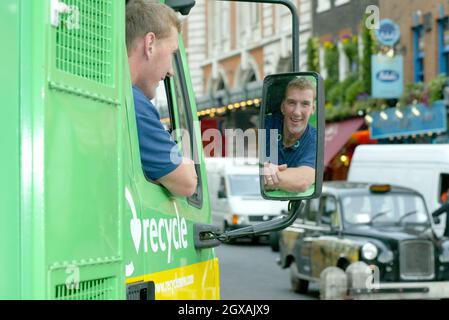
(423, 167)
(235, 194)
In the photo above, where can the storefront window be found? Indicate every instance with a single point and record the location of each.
(418, 53)
(446, 33)
(443, 45)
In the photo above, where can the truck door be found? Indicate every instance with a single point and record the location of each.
(170, 260)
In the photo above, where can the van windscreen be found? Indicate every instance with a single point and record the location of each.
(244, 185)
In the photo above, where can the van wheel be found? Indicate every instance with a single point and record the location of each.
(298, 285)
(274, 241)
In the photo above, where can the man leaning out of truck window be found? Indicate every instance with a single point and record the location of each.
(152, 39)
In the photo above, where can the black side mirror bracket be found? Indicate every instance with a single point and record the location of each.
(276, 224)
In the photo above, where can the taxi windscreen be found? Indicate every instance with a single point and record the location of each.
(391, 208)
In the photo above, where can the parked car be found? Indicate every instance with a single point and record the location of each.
(382, 225)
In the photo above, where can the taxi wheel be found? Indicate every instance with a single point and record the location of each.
(274, 241)
(298, 285)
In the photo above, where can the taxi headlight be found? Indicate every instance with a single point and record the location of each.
(369, 251)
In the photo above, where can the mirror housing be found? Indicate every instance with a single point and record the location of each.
(274, 96)
(181, 6)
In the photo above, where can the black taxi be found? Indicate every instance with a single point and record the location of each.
(382, 225)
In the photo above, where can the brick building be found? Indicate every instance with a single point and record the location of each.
(424, 41)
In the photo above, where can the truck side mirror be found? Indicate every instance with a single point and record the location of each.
(436, 220)
(291, 139)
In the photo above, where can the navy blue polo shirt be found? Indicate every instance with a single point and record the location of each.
(159, 153)
(302, 153)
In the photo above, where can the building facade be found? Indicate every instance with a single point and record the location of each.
(231, 48)
(424, 40)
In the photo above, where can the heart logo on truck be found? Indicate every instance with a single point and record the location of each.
(136, 233)
(135, 223)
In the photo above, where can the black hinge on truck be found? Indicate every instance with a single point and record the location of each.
(141, 291)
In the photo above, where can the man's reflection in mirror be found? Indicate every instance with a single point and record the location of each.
(294, 170)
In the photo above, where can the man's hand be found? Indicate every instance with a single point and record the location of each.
(271, 175)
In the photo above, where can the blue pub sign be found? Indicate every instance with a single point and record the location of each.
(388, 33)
(387, 76)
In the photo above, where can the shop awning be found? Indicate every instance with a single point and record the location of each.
(416, 119)
(336, 136)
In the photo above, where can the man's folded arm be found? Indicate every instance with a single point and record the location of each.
(296, 179)
(183, 180)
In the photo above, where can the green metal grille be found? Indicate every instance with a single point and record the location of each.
(99, 289)
(84, 40)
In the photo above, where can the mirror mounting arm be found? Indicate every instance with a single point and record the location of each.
(269, 226)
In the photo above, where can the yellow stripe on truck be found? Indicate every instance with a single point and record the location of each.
(199, 281)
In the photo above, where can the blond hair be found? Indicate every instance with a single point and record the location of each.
(144, 16)
(301, 83)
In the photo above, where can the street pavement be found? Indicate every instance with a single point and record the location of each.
(249, 272)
